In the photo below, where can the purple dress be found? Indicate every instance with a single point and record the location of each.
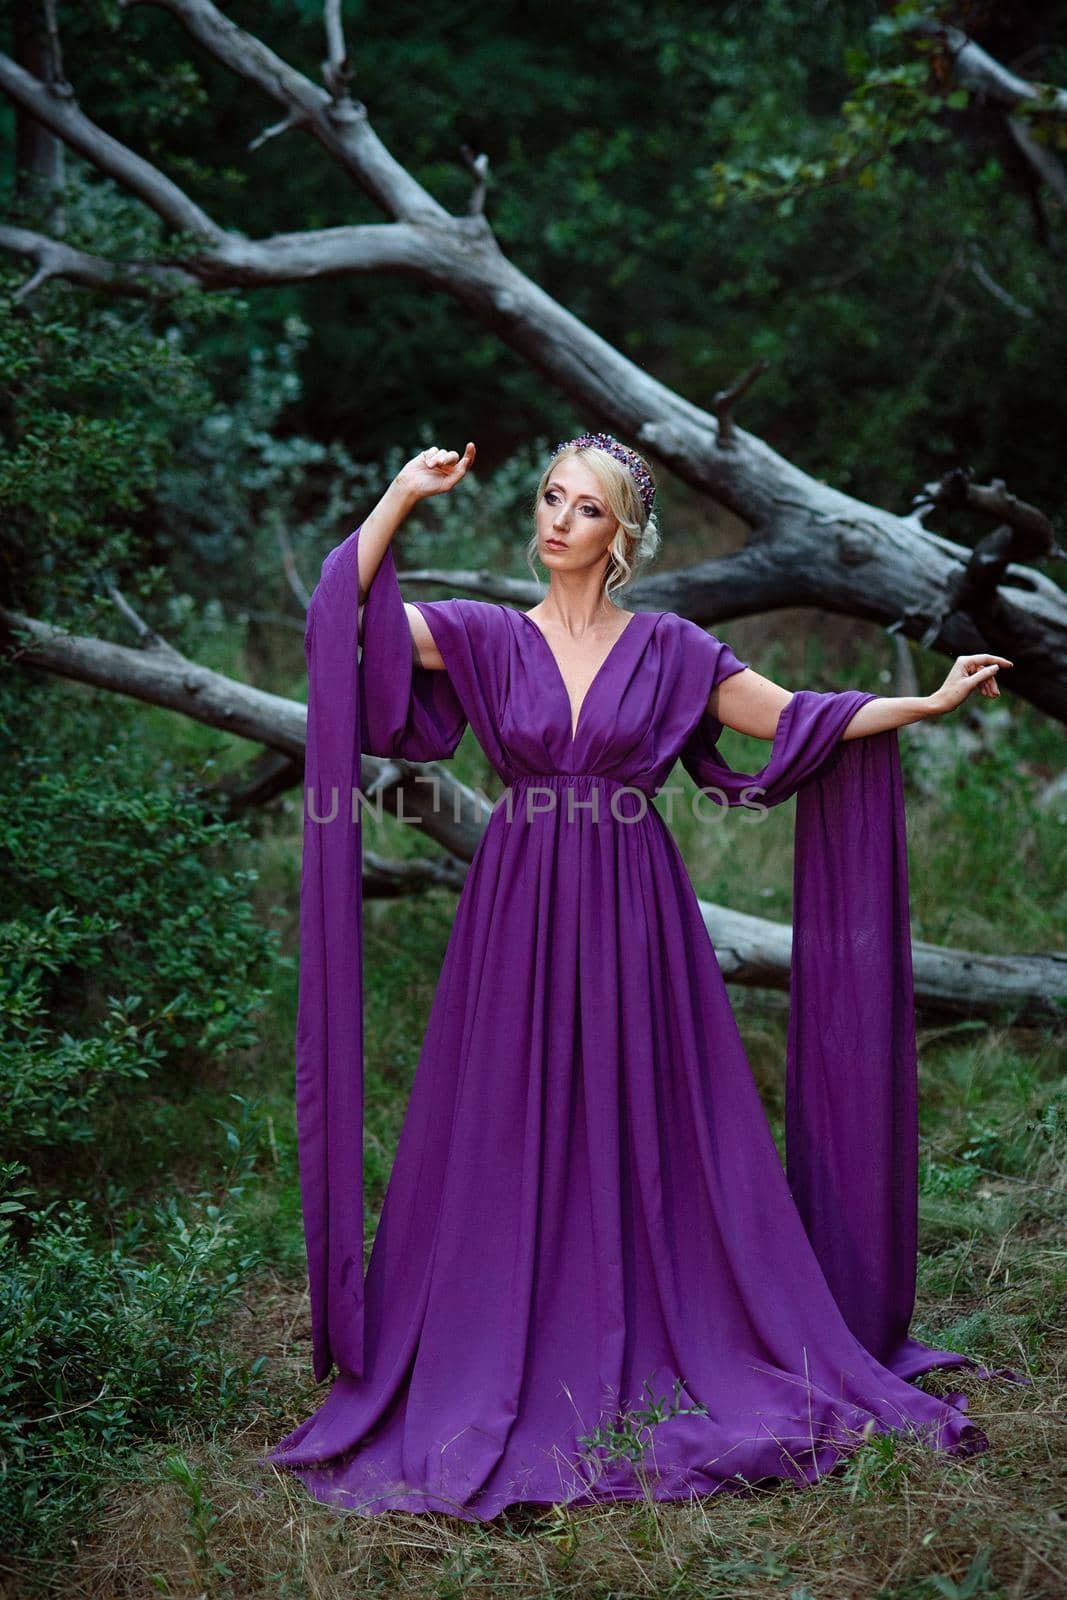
(587, 1213)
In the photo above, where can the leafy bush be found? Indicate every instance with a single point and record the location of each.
(93, 404)
(128, 939)
(103, 1345)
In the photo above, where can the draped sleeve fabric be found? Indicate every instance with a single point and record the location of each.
(851, 1092)
(373, 698)
(469, 635)
(697, 662)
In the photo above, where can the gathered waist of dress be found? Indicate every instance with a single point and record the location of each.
(573, 796)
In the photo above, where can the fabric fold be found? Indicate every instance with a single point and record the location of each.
(384, 705)
(851, 1078)
(851, 1087)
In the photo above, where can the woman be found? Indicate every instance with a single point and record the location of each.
(592, 1279)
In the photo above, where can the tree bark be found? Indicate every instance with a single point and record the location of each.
(752, 950)
(39, 154)
(809, 544)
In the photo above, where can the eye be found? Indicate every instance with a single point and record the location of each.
(551, 497)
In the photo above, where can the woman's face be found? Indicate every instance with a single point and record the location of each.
(573, 511)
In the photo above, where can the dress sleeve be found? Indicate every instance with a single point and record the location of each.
(364, 696)
(704, 662)
(408, 711)
(713, 657)
(471, 637)
(726, 663)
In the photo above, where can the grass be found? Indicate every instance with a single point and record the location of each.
(193, 1515)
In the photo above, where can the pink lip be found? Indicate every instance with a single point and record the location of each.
(555, 544)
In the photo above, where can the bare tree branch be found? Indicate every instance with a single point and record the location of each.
(237, 262)
(1044, 161)
(809, 544)
(976, 69)
(727, 398)
(40, 157)
(981, 272)
(289, 567)
(140, 177)
(317, 253)
(295, 119)
(150, 639)
(751, 950)
(160, 676)
(1032, 534)
(336, 70)
(57, 260)
(57, 78)
(387, 879)
(954, 982)
(479, 166)
(349, 139)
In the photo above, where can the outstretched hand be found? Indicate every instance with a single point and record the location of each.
(968, 673)
(433, 471)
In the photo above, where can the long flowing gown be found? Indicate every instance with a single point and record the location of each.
(587, 1226)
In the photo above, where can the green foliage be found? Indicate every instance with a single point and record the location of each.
(239, 487)
(892, 104)
(128, 938)
(103, 1345)
(907, 302)
(627, 1436)
(903, 295)
(84, 438)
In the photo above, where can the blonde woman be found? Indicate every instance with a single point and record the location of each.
(592, 1278)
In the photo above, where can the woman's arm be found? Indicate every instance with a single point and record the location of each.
(752, 704)
(375, 533)
(430, 472)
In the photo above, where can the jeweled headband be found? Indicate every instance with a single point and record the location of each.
(629, 458)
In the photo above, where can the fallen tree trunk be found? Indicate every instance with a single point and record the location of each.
(809, 544)
(1027, 989)
(751, 950)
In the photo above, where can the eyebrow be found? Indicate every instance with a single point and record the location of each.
(555, 484)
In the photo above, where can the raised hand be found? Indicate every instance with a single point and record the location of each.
(968, 673)
(433, 471)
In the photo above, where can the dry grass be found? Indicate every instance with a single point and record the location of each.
(876, 1528)
(895, 1521)
(199, 1517)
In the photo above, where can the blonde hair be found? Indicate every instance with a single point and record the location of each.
(637, 536)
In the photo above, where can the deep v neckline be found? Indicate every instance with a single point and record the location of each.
(597, 675)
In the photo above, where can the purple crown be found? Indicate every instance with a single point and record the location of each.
(629, 458)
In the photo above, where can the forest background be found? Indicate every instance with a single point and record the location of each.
(796, 187)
